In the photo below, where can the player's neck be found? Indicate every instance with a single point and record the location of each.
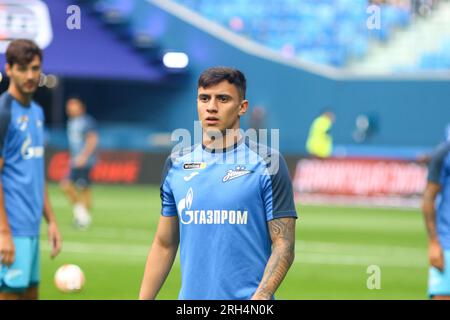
(228, 139)
(24, 99)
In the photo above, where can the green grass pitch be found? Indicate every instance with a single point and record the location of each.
(334, 248)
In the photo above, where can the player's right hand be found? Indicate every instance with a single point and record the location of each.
(7, 250)
(436, 255)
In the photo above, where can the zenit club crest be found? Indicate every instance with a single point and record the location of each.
(22, 122)
(236, 173)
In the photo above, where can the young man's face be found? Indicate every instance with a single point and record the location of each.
(74, 108)
(220, 106)
(25, 77)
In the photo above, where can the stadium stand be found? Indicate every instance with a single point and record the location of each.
(437, 60)
(128, 19)
(326, 31)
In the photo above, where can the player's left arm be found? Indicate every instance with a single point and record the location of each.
(54, 236)
(90, 145)
(282, 233)
(435, 250)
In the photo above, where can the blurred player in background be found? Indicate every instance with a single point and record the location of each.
(320, 141)
(235, 219)
(436, 210)
(83, 141)
(23, 191)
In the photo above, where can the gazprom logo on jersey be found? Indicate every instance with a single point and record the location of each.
(28, 152)
(188, 216)
(24, 19)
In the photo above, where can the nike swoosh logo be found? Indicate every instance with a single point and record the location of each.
(189, 177)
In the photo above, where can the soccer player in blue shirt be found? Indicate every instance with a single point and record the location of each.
(436, 209)
(227, 202)
(83, 141)
(23, 192)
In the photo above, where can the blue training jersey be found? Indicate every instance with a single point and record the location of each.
(77, 130)
(439, 173)
(224, 200)
(22, 150)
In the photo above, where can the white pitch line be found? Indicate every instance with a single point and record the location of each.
(101, 249)
(333, 247)
(121, 234)
(353, 260)
(109, 233)
(119, 252)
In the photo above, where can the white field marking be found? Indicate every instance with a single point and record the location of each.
(112, 204)
(100, 248)
(326, 254)
(112, 233)
(352, 248)
(109, 233)
(365, 224)
(356, 260)
(115, 233)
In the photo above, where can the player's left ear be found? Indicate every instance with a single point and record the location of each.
(8, 69)
(243, 107)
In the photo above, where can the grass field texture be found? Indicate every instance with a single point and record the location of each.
(334, 248)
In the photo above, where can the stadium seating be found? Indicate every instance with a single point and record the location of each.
(437, 60)
(322, 31)
(129, 20)
(328, 32)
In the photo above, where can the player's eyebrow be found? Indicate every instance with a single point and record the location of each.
(220, 96)
(224, 95)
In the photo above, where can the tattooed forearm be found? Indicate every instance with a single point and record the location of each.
(282, 232)
(430, 222)
(428, 209)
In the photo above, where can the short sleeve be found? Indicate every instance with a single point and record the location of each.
(5, 119)
(437, 161)
(278, 195)
(168, 205)
(91, 125)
